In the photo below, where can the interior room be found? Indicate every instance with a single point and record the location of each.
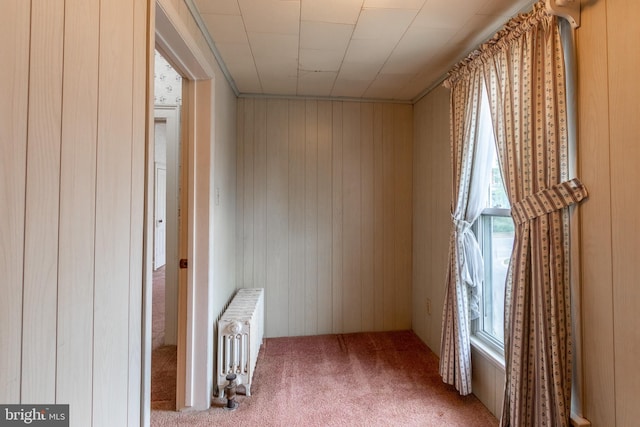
(316, 163)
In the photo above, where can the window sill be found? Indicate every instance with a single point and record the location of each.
(494, 356)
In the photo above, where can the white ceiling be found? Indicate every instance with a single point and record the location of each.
(371, 49)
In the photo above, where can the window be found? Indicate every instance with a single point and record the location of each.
(495, 233)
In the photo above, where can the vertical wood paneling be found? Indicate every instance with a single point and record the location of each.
(260, 193)
(139, 124)
(14, 82)
(351, 199)
(624, 96)
(367, 216)
(596, 251)
(42, 203)
(296, 216)
(378, 219)
(311, 218)
(248, 193)
(337, 218)
(77, 210)
(338, 214)
(389, 209)
(239, 257)
(277, 286)
(325, 205)
(431, 213)
(403, 131)
(113, 214)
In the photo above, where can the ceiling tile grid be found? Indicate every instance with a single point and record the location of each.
(369, 49)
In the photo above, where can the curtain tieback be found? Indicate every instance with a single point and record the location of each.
(548, 200)
(462, 226)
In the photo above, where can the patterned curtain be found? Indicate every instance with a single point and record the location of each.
(471, 148)
(525, 78)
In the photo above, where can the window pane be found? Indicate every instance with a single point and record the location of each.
(498, 243)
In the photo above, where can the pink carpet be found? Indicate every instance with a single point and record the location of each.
(363, 379)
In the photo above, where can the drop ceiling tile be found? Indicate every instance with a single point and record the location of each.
(245, 78)
(225, 28)
(274, 45)
(505, 8)
(279, 85)
(369, 51)
(269, 68)
(223, 7)
(390, 81)
(271, 16)
(357, 71)
(316, 83)
(337, 11)
(416, 48)
(320, 60)
(386, 24)
(394, 4)
(325, 35)
(446, 13)
(349, 88)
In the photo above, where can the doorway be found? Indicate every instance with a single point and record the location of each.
(167, 105)
(194, 324)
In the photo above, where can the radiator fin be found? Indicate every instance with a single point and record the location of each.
(240, 333)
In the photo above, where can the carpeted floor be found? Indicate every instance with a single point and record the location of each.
(364, 379)
(163, 357)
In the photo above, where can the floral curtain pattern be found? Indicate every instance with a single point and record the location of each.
(523, 68)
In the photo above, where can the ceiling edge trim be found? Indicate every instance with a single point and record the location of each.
(324, 98)
(205, 33)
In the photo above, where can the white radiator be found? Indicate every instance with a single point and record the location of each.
(240, 332)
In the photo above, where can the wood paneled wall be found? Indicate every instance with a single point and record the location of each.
(72, 143)
(324, 213)
(431, 213)
(609, 152)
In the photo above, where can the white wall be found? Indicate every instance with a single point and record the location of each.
(72, 133)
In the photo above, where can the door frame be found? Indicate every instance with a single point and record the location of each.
(170, 36)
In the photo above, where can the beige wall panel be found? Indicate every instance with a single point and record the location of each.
(352, 225)
(594, 171)
(624, 99)
(378, 220)
(77, 210)
(260, 194)
(324, 230)
(42, 203)
(296, 216)
(247, 279)
(138, 161)
(440, 207)
(421, 262)
(388, 195)
(337, 217)
(14, 85)
(277, 286)
(367, 191)
(239, 252)
(431, 213)
(327, 206)
(113, 214)
(403, 135)
(311, 219)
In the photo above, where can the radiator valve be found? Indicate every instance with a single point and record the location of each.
(230, 392)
